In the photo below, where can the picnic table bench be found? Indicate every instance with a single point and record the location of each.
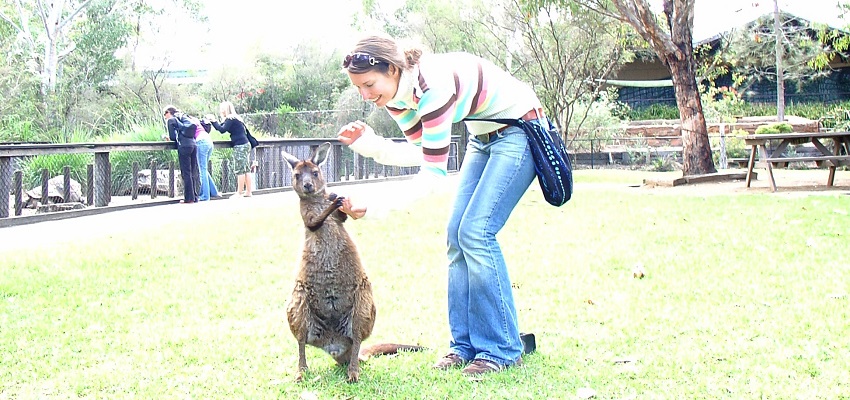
(838, 156)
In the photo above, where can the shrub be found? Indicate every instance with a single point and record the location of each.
(779, 127)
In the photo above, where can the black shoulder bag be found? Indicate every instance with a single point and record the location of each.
(551, 161)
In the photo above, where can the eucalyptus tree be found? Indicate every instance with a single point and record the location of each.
(566, 56)
(671, 38)
(562, 54)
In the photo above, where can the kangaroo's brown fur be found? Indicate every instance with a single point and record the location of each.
(331, 306)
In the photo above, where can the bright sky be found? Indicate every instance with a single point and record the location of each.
(238, 29)
(716, 16)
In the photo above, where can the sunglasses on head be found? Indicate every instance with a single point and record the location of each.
(359, 60)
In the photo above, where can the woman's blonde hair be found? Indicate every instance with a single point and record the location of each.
(227, 109)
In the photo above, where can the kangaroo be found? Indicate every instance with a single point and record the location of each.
(331, 305)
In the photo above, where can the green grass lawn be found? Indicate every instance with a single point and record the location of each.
(745, 297)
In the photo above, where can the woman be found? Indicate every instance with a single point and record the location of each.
(187, 152)
(425, 94)
(232, 123)
(205, 150)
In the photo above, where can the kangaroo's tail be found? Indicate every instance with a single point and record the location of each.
(382, 349)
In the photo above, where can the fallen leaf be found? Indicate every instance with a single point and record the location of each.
(590, 301)
(638, 271)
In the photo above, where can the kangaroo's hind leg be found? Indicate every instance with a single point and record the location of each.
(297, 313)
(362, 322)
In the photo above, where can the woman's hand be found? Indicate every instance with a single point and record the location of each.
(351, 132)
(352, 211)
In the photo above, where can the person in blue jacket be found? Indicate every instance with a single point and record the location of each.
(179, 126)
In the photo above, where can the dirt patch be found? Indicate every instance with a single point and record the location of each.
(788, 183)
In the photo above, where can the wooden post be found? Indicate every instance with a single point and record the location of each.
(66, 184)
(171, 183)
(108, 182)
(225, 173)
(260, 171)
(45, 176)
(89, 184)
(19, 192)
(358, 166)
(5, 190)
(134, 186)
(101, 179)
(723, 160)
(154, 180)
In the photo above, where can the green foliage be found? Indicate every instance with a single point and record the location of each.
(290, 124)
(55, 165)
(752, 52)
(666, 163)
(654, 111)
(735, 145)
(779, 127)
(722, 104)
(18, 128)
(597, 119)
(122, 161)
(832, 115)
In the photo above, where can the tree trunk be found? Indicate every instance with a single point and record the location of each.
(696, 148)
(780, 75)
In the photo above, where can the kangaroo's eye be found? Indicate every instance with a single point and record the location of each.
(297, 176)
(315, 174)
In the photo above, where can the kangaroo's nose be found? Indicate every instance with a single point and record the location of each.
(308, 187)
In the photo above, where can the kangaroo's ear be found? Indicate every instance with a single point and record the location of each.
(292, 160)
(321, 153)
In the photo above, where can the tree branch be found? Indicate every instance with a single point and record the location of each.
(73, 15)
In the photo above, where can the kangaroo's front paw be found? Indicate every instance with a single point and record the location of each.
(338, 201)
(332, 196)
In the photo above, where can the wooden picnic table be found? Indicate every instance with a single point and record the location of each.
(839, 155)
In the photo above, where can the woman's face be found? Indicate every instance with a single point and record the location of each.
(376, 86)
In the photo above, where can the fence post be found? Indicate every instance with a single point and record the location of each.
(260, 171)
(45, 176)
(154, 180)
(723, 161)
(66, 184)
(101, 179)
(225, 174)
(19, 192)
(134, 188)
(5, 190)
(171, 183)
(592, 155)
(358, 166)
(89, 184)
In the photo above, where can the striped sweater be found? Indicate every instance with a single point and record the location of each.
(446, 88)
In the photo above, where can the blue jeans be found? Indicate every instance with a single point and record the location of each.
(205, 149)
(482, 314)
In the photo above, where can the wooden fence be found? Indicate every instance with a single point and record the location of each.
(272, 172)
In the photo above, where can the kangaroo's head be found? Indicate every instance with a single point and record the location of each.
(307, 178)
